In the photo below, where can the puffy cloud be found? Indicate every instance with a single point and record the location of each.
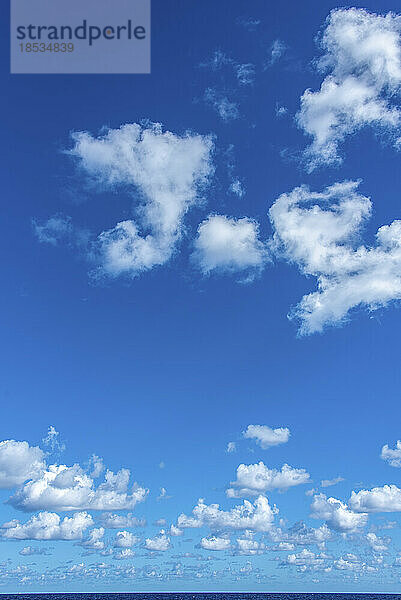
(247, 546)
(267, 437)
(257, 478)
(237, 188)
(378, 544)
(257, 516)
(165, 171)
(124, 554)
(97, 466)
(70, 488)
(350, 562)
(48, 526)
(362, 61)
(378, 499)
(125, 539)
(159, 543)
(115, 521)
(30, 551)
(175, 531)
(215, 543)
(228, 245)
(302, 535)
(337, 514)
(393, 457)
(94, 540)
(306, 560)
(19, 462)
(317, 232)
(329, 482)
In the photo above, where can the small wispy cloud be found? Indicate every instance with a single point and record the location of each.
(329, 482)
(225, 108)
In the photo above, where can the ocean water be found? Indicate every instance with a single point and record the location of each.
(192, 596)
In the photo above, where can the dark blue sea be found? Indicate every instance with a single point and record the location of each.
(192, 596)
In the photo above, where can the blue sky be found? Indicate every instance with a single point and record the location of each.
(154, 344)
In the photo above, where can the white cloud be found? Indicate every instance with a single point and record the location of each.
(257, 478)
(225, 108)
(160, 543)
(19, 462)
(175, 531)
(318, 232)
(302, 535)
(115, 521)
(226, 244)
(97, 466)
(231, 447)
(329, 482)
(257, 516)
(237, 188)
(124, 554)
(164, 171)
(94, 540)
(378, 499)
(247, 546)
(125, 539)
(30, 551)
(249, 23)
(393, 457)
(70, 488)
(281, 111)
(337, 514)
(215, 543)
(52, 440)
(54, 230)
(163, 494)
(362, 59)
(267, 437)
(306, 560)
(377, 544)
(277, 50)
(243, 72)
(283, 547)
(48, 526)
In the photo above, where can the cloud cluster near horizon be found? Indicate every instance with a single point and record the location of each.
(251, 527)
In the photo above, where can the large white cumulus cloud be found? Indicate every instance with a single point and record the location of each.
(163, 172)
(19, 462)
(225, 244)
(258, 478)
(48, 526)
(337, 514)
(319, 233)
(60, 487)
(257, 516)
(362, 62)
(378, 499)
